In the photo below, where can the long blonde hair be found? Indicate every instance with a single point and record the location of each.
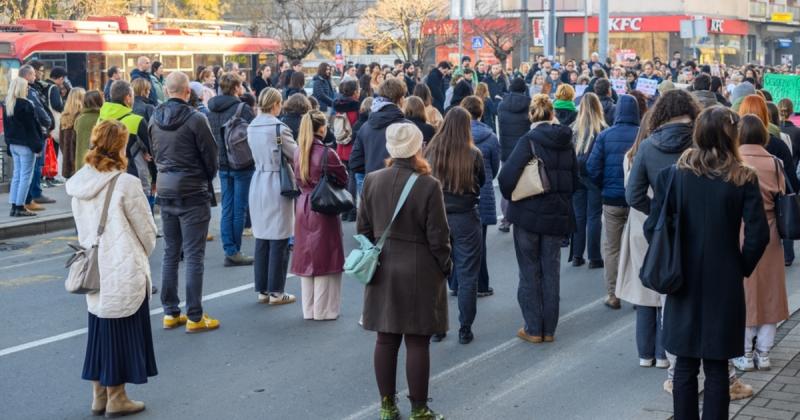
(17, 89)
(589, 123)
(72, 108)
(309, 125)
(482, 90)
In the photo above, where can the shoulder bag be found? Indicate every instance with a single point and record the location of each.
(84, 270)
(661, 270)
(787, 210)
(363, 261)
(288, 183)
(327, 198)
(533, 181)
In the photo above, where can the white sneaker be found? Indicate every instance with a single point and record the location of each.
(662, 363)
(762, 361)
(281, 298)
(645, 363)
(744, 363)
(263, 298)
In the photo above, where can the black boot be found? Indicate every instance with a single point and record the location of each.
(13, 210)
(23, 212)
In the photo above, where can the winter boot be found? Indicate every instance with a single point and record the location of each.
(389, 410)
(421, 411)
(99, 399)
(118, 403)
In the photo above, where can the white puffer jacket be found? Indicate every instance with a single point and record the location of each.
(126, 244)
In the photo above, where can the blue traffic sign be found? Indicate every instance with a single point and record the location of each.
(477, 42)
(338, 49)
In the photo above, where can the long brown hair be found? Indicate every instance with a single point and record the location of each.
(643, 133)
(716, 155)
(109, 138)
(309, 125)
(418, 162)
(450, 152)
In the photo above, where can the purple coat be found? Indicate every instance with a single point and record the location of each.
(318, 249)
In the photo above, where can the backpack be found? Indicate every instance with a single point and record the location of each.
(342, 129)
(234, 134)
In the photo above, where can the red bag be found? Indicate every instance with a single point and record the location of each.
(50, 169)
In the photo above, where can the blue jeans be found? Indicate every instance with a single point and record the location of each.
(465, 238)
(270, 265)
(359, 185)
(24, 159)
(588, 204)
(35, 190)
(235, 193)
(539, 259)
(649, 333)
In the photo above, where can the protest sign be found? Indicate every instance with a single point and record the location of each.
(647, 86)
(783, 86)
(580, 89)
(620, 86)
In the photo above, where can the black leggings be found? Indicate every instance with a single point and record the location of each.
(418, 364)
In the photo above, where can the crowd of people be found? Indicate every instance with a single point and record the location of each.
(613, 152)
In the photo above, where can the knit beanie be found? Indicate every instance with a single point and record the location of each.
(744, 89)
(403, 140)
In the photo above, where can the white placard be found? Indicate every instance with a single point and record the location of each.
(647, 86)
(620, 86)
(580, 90)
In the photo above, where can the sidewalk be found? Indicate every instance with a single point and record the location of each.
(56, 216)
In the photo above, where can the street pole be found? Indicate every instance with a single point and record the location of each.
(585, 29)
(525, 25)
(551, 27)
(602, 31)
(154, 6)
(460, 31)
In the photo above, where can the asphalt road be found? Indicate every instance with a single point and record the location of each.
(267, 362)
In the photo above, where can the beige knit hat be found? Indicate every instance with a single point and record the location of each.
(403, 140)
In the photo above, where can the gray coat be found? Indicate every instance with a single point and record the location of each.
(706, 98)
(272, 214)
(661, 149)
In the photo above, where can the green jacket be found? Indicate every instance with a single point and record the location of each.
(158, 85)
(83, 134)
(459, 71)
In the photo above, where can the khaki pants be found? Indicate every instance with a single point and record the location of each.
(614, 219)
(321, 296)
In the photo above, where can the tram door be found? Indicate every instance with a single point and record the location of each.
(76, 69)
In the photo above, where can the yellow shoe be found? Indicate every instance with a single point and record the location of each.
(171, 322)
(206, 323)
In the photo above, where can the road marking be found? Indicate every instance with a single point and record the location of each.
(81, 331)
(54, 257)
(369, 411)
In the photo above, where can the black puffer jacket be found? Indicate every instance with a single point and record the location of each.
(221, 109)
(513, 121)
(185, 153)
(22, 129)
(369, 151)
(143, 107)
(550, 213)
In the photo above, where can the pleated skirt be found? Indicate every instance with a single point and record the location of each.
(120, 350)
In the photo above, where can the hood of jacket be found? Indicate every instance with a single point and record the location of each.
(385, 116)
(346, 105)
(264, 120)
(515, 102)
(136, 73)
(221, 103)
(480, 131)
(88, 182)
(171, 115)
(554, 136)
(672, 137)
(627, 111)
(706, 97)
(113, 111)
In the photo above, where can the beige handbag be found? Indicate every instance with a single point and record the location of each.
(84, 269)
(533, 181)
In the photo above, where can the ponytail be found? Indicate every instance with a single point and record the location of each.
(311, 122)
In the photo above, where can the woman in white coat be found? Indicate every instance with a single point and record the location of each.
(649, 338)
(119, 347)
(272, 214)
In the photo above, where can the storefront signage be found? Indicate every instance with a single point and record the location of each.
(783, 17)
(784, 86)
(655, 24)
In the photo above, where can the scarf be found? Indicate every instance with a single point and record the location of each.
(562, 104)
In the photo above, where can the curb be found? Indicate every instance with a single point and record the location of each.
(40, 226)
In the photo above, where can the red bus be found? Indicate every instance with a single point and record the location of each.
(86, 49)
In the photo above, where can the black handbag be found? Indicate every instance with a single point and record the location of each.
(327, 198)
(787, 210)
(288, 183)
(661, 270)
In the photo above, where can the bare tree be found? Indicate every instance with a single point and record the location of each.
(502, 35)
(399, 25)
(302, 24)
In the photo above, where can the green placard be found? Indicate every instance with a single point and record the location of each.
(784, 86)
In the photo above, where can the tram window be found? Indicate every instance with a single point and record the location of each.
(208, 60)
(96, 68)
(50, 60)
(8, 71)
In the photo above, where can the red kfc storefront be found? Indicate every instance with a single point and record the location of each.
(657, 36)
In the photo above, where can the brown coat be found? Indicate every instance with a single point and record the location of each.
(765, 289)
(408, 294)
(67, 142)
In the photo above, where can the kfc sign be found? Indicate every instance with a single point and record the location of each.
(625, 24)
(716, 26)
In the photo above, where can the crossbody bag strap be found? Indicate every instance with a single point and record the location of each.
(662, 217)
(400, 202)
(104, 216)
(239, 110)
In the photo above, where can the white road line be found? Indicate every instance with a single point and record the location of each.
(75, 333)
(370, 410)
(41, 260)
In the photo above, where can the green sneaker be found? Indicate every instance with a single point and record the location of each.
(424, 413)
(389, 410)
